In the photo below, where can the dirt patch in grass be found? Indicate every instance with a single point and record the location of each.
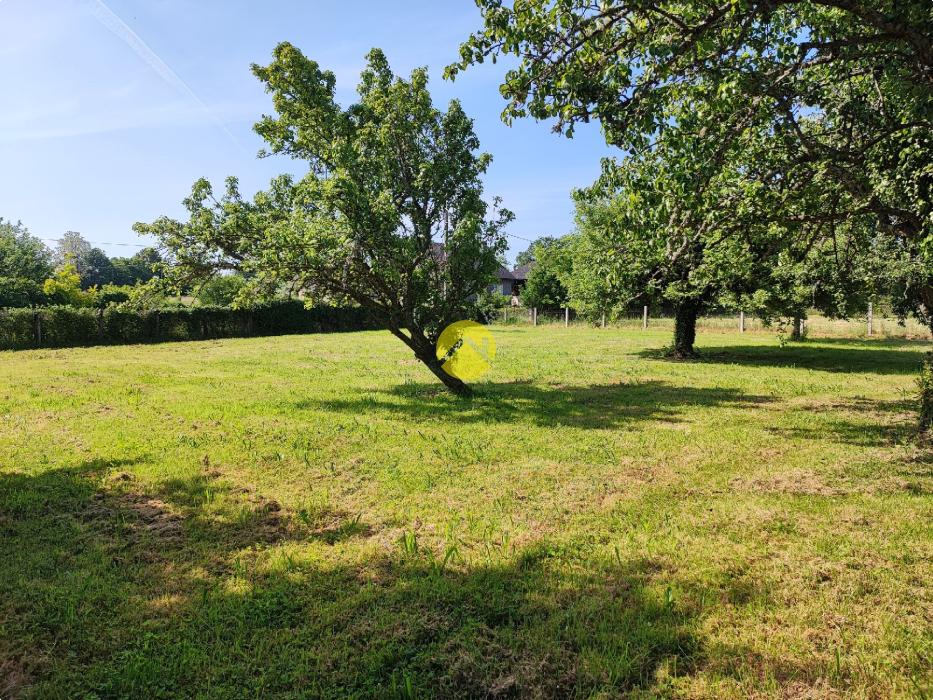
(14, 679)
(799, 690)
(798, 482)
(141, 515)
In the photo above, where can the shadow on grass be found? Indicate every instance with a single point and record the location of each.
(90, 609)
(860, 421)
(825, 355)
(597, 406)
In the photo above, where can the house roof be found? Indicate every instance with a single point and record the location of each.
(521, 272)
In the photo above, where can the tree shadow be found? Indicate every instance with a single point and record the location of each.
(92, 606)
(878, 423)
(600, 406)
(825, 355)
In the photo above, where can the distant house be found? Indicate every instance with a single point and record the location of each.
(511, 281)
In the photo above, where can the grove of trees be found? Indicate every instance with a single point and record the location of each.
(74, 273)
(761, 143)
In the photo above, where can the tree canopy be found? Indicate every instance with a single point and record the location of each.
(527, 256)
(390, 215)
(25, 262)
(784, 131)
(551, 262)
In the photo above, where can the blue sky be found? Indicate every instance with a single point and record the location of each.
(112, 109)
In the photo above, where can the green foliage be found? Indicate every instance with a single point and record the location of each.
(72, 248)
(64, 288)
(925, 383)
(489, 305)
(24, 265)
(527, 256)
(111, 294)
(18, 292)
(785, 126)
(221, 290)
(140, 268)
(388, 177)
(66, 326)
(95, 269)
(546, 286)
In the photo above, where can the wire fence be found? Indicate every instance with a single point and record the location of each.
(815, 324)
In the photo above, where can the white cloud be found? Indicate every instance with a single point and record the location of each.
(109, 19)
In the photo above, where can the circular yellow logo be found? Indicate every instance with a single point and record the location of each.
(466, 350)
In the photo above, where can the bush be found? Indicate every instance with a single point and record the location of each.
(926, 392)
(220, 291)
(65, 326)
(488, 306)
(17, 328)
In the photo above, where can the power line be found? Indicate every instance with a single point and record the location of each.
(128, 245)
(142, 245)
(512, 235)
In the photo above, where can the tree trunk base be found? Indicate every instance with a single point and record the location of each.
(682, 354)
(424, 351)
(685, 330)
(456, 386)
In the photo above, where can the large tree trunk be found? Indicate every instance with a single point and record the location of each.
(457, 386)
(425, 351)
(796, 329)
(685, 329)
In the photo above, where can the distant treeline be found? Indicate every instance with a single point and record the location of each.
(74, 273)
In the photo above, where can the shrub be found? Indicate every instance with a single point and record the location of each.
(220, 291)
(64, 326)
(926, 392)
(489, 305)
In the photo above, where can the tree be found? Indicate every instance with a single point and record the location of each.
(842, 86)
(64, 288)
(139, 268)
(390, 215)
(95, 269)
(24, 265)
(72, 248)
(221, 290)
(671, 225)
(527, 256)
(545, 287)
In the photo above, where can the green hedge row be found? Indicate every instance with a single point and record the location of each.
(65, 326)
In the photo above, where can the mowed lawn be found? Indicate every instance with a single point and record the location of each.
(311, 516)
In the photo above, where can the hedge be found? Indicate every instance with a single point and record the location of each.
(65, 326)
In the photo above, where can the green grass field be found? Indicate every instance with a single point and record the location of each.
(312, 516)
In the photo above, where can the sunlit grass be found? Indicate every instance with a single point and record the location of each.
(313, 516)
